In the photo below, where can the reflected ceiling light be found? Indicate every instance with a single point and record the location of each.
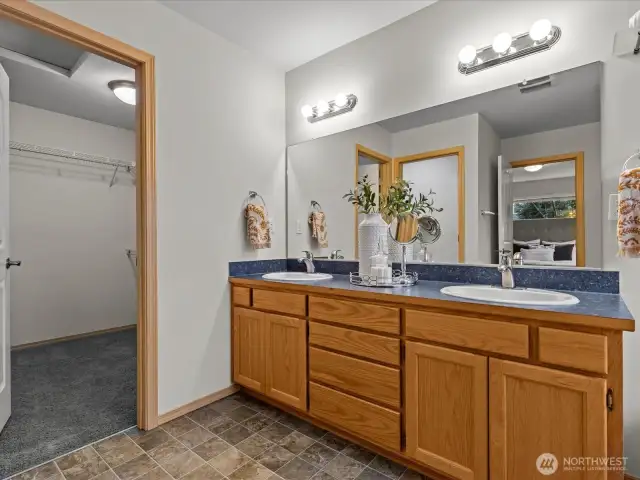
(342, 104)
(505, 48)
(125, 90)
(467, 55)
(533, 168)
(540, 30)
(502, 42)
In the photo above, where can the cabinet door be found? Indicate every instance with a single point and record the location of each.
(286, 354)
(536, 410)
(248, 348)
(446, 410)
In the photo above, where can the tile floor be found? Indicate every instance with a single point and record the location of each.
(237, 438)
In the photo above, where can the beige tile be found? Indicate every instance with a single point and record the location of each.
(108, 475)
(254, 445)
(204, 416)
(112, 442)
(225, 405)
(344, 468)
(205, 472)
(220, 425)
(167, 450)
(275, 457)
(86, 454)
(211, 448)
(195, 437)
(156, 474)
(82, 465)
(179, 465)
(43, 472)
(387, 467)
(318, 455)
(135, 468)
(251, 471)
(125, 450)
(257, 422)
(296, 443)
(235, 434)
(275, 432)
(151, 439)
(297, 469)
(241, 414)
(229, 461)
(179, 426)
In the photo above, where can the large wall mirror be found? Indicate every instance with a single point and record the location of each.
(515, 168)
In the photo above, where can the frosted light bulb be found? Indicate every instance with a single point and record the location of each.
(533, 168)
(307, 111)
(467, 55)
(502, 42)
(322, 107)
(341, 100)
(540, 30)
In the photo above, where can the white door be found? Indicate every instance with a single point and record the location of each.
(505, 205)
(5, 341)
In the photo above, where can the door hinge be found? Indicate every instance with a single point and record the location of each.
(609, 399)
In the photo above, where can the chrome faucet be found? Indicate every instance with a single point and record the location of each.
(335, 255)
(308, 261)
(505, 267)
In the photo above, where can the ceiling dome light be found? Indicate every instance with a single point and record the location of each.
(125, 90)
(341, 100)
(307, 111)
(540, 30)
(533, 168)
(467, 55)
(322, 107)
(502, 42)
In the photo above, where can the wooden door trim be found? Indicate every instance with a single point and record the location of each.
(385, 182)
(398, 162)
(578, 158)
(45, 21)
(479, 364)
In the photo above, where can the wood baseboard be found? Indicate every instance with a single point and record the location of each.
(196, 404)
(72, 337)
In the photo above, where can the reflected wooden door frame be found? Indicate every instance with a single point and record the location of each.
(385, 177)
(458, 151)
(38, 18)
(578, 158)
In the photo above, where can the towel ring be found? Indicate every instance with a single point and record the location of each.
(315, 206)
(635, 155)
(253, 195)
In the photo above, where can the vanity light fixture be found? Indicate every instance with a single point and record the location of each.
(541, 37)
(343, 103)
(125, 90)
(533, 168)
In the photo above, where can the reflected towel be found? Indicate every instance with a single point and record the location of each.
(258, 226)
(318, 222)
(629, 213)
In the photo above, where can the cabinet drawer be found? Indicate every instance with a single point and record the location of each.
(375, 382)
(241, 296)
(356, 314)
(377, 424)
(585, 351)
(292, 303)
(498, 337)
(367, 345)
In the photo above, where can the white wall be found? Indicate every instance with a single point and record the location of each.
(412, 64)
(441, 176)
(219, 135)
(620, 126)
(489, 148)
(324, 170)
(70, 230)
(584, 138)
(548, 188)
(461, 131)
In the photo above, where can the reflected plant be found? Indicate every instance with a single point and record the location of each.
(400, 200)
(364, 196)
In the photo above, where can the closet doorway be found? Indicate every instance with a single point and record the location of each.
(83, 185)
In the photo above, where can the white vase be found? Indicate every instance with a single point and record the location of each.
(370, 231)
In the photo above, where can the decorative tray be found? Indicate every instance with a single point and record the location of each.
(398, 279)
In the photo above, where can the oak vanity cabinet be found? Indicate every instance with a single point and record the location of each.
(270, 355)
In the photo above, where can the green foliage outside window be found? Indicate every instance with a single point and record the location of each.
(539, 209)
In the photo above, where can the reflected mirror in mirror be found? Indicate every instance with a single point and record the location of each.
(515, 168)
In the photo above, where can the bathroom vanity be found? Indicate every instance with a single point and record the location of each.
(454, 388)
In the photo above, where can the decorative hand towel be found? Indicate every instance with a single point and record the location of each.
(318, 222)
(258, 226)
(629, 213)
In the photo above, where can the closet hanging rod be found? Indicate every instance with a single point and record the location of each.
(82, 157)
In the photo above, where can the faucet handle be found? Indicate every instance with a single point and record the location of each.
(308, 254)
(336, 254)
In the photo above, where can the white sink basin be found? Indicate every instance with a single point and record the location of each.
(526, 296)
(297, 276)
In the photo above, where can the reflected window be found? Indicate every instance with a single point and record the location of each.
(544, 208)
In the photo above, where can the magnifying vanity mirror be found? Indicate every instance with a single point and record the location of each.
(516, 168)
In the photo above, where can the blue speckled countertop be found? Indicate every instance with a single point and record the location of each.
(605, 305)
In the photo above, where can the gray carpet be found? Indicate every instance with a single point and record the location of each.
(67, 395)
